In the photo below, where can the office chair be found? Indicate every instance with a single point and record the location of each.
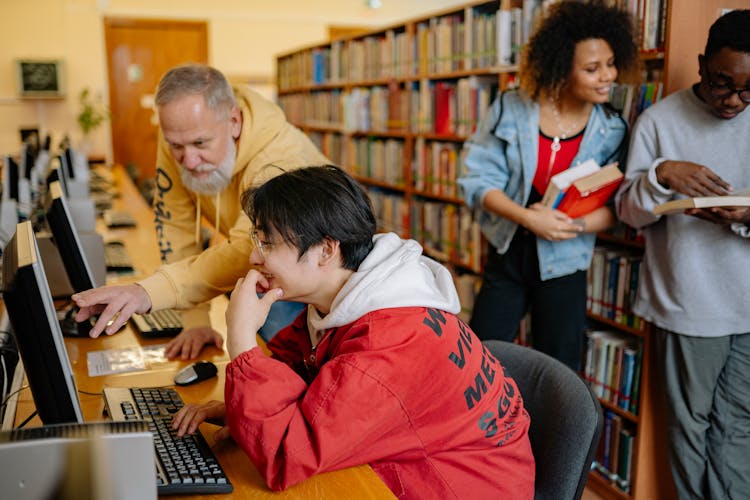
(566, 419)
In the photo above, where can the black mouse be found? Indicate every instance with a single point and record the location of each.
(197, 372)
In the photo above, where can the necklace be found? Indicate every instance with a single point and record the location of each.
(565, 132)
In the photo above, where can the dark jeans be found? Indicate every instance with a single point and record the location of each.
(511, 286)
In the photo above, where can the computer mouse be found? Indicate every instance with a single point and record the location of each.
(197, 372)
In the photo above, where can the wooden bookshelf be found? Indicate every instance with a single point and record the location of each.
(369, 101)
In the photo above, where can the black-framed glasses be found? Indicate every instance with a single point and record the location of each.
(262, 246)
(722, 91)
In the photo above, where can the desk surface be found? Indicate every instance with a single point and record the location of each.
(360, 481)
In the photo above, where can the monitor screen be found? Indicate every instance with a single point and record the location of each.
(67, 241)
(56, 174)
(10, 179)
(36, 330)
(28, 158)
(66, 162)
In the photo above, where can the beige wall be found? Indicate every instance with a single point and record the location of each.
(244, 37)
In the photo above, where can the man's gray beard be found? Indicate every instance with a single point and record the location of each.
(217, 180)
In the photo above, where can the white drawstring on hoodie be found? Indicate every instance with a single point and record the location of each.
(198, 220)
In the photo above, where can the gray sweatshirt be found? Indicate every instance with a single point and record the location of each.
(695, 276)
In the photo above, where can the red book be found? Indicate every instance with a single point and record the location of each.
(591, 192)
(443, 109)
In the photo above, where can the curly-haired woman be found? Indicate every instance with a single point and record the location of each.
(538, 256)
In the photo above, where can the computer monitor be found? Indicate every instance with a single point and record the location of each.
(74, 168)
(66, 162)
(28, 158)
(36, 330)
(65, 236)
(57, 174)
(10, 178)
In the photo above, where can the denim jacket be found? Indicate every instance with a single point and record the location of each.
(502, 154)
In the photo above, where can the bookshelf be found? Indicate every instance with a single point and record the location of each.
(394, 106)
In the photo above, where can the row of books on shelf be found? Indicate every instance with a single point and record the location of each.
(447, 232)
(614, 456)
(612, 283)
(467, 286)
(391, 211)
(378, 159)
(612, 367)
(477, 36)
(436, 167)
(651, 21)
(632, 99)
(332, 145)
(449, 108)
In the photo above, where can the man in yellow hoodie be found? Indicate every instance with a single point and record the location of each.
(214, 143)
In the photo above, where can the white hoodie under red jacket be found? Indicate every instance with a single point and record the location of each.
(395, 380)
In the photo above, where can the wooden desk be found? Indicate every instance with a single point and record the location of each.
(360, 482)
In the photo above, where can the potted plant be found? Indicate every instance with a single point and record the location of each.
(92, 115)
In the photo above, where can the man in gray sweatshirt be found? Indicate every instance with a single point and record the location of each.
(694, 284)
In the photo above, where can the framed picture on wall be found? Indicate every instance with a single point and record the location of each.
(40, 78)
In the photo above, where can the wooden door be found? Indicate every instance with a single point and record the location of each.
(139, 52)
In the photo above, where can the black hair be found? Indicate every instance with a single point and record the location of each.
(308, 205)
(548, 56)
(732, 30)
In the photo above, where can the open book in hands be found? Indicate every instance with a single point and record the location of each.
(582, 188)
(738, 199)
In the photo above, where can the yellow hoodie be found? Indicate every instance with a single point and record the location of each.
(268, 145)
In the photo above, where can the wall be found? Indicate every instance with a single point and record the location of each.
(244, 38)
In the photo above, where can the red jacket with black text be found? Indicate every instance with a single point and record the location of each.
(409, 390)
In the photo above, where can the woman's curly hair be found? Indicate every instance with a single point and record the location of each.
(548, 56)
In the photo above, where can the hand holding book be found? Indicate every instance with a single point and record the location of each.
(583, 188)
(740, 199)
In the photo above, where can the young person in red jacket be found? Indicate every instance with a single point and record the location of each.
(377, 370)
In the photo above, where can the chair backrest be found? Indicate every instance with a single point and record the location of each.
(566, 419)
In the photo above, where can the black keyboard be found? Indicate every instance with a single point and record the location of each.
(116, 257)
(184, 465)
(162, 323)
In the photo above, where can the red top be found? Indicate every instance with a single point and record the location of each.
(409, 390)
(562, 160)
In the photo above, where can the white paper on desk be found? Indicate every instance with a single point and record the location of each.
(128, 359)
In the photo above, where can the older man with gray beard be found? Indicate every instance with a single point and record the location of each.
(214, 143)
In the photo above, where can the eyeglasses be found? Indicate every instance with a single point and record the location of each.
(262, 246)
(722, 91)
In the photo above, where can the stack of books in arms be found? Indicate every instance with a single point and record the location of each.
(582, 188)
(612, 368)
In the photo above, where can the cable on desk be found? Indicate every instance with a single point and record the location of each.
(90, 393)
(28, 419)
(7, 398)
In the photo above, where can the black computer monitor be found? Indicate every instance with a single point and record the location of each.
(10, 178)
(36, 330)
(66, 162)
(68, 244)
(66, 240)
(57, 174)
(28, 158)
